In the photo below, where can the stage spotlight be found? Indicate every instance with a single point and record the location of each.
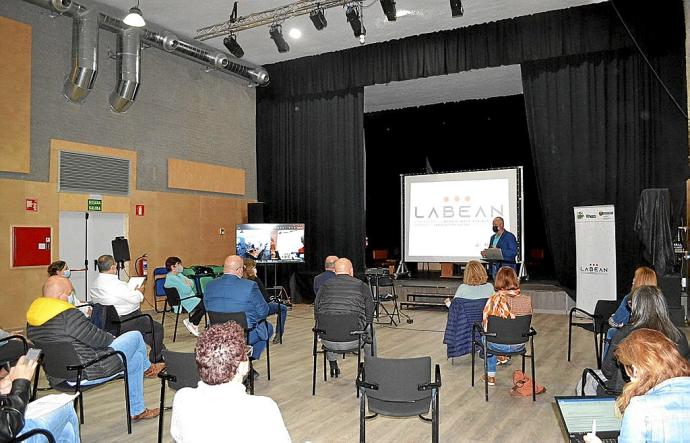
(456, 8)
(276, 33)
(235, 49)
(352, 13)
(389, 9)
(318, 17)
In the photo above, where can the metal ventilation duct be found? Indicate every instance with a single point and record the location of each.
(84, 57)
(128, 69)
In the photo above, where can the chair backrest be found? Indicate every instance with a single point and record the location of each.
(105, 317)
(159, 281)
(605, 309)
(56, 357)
(223, 317)
(217, 270)
(205, 280)
(183, 366)
(509, 331)
(337, 327)
(398, 380)
(173, 296)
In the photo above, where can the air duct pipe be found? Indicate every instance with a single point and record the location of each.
(128, 69)
(82, 76)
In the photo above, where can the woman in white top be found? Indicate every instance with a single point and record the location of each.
(220, 409)
(474, 283)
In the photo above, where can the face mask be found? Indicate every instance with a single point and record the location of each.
(70, 299)
(180, 269)
(494, 228)
(67, 273)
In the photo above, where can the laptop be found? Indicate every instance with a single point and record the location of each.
(578, 413)
(493, 254)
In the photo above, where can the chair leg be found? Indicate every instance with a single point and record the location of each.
(251, 376)
(474, 353)
(534, 381)
(434, 414)
(313, 373)
(486, 373)
(268, 360)
(177, 319)
(80, 398)
(362, 412)
(570, 331)
(128, 409)
(165, 309)
(324, 366)
(161, 409)
(523, 363)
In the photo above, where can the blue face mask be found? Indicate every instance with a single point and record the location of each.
(67, 273)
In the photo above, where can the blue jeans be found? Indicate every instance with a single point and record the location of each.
(273, 309)
(63, 423)
(258, 344)
(491, 360)
(132, 345)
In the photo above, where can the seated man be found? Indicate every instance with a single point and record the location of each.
(51, 319)
(344, 294)
(232, 293)
(329, 266)
(108, 290)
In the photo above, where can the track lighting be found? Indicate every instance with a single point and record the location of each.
(318, 17)
(456, 8)
(276, 33)
(235, 49)
(354, 18)
(389, 9)
(135, 18)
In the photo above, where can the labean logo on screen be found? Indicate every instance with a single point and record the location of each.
(594, 268)
(460, 211)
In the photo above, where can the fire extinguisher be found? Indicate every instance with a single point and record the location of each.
(141, 264)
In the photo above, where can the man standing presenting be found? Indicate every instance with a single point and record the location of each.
(506, 242)
(232, 293)
(329, 266)
(108, 290)
(344, 294)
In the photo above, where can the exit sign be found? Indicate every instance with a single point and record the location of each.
(95, 205)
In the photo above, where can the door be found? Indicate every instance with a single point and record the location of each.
(83, 239)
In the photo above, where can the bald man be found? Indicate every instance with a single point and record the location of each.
(52, 319)
(232, 293)
(506, 242)
(327, 274)
(344, 294)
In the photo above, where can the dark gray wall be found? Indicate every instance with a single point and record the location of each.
(181, 111)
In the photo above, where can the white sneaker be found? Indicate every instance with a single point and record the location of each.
(192, 328)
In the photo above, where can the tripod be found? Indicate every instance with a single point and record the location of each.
(376, 279)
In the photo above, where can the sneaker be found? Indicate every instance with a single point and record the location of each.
(154, 369)
(276, 340)
(491, 381)
(191, 327)
(146, 414)
(501, 360)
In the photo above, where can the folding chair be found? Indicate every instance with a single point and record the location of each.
(599, 325)
(505, 331)
(180, 372)
(399, 388)
(385, 281)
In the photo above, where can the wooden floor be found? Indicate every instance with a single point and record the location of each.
(332, 416)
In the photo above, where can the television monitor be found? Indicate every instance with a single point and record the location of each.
(271, 242)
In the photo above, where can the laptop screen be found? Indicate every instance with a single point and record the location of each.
(579, 412)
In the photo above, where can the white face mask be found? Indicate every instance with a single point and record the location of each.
(180, 268)
(67, 273)
(71, 299)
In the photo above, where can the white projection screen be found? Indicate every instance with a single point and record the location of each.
(447, 217)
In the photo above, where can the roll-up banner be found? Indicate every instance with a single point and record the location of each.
(595, 245)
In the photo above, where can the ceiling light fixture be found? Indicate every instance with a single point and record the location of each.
(389, 9)
(295, 33)
(456, 8)
(318, 17)
(276, 33)
(135, 18)
(355, 19)
(235, 49)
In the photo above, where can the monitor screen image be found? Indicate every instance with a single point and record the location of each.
(271, 242)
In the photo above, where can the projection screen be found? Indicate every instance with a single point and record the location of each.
(447, 217)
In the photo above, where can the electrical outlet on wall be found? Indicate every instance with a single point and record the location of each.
(221, 231)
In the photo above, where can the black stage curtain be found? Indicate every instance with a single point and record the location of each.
(590, 28)
(601, 131)
(310, 157)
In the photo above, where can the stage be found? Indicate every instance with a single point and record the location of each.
(547, 296)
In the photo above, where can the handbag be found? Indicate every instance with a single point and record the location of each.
(522, 385)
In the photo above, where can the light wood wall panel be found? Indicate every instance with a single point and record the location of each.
(15, 96)
(183, 174)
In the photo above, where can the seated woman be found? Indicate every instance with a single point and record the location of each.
(14, 397)
(273, 307)
(644, 276)
(474, 283)
(649, 310)
(187, 291)
(656, 402)
(507, 302)
(220, 404)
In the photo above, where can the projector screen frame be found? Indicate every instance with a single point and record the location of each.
(519, 230)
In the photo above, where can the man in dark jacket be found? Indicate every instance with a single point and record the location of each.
(327, 274)
(345, 294)
(51, 319)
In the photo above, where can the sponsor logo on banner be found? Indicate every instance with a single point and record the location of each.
(580, 215)
(594, 268)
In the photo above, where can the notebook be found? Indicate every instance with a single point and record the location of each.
(578, 413)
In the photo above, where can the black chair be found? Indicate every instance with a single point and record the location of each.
(607, 391)
(504, 331)
(597, 323)
(172, 299)
(62, 362)
(241, 319)
(12, 355)
(180, 372)
(113, 324)
(385, 281)
(399, 388)
(34, 432)
(338, 328)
